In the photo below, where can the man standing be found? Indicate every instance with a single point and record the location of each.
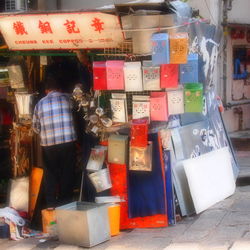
(53, 121)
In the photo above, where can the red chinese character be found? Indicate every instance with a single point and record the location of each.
(19, 28)
(96, 22)
(71, 27)
(45, 27)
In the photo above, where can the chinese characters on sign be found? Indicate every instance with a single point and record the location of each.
(19, 28)
(45, 27)
(61, 31)
(71, 27)
(96, 22)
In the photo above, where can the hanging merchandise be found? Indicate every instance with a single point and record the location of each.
(115, 75)
(175, 102)
(139, 133)
(95, 116)
(119, 107)
(193, 70)
(169, 76)
(166, 138)
(158, 106)
(178, 48)
(151, 76)
(140, 107)
(81, 98)
(140, 158)
(133, 76)
(20, 145)
(4, 77)
(160, 48)
(101, 180)
(24, 102)
(193, 97)
(16, 76)
(96, 158)
(99, 75)
(118, 149)
(118, 175)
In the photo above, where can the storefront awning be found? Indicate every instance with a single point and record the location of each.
(92, 30)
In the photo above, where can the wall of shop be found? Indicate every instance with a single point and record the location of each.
(83, 4)
(238, 90)
(239, 12)
(47, 5)
(236, 117)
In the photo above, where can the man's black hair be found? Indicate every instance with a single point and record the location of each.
(52, 83)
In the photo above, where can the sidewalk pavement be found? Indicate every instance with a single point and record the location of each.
(224, 226)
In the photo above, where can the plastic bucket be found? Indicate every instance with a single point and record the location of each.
(114, 219)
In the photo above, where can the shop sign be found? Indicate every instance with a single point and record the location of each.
(238, 33)
(61, 31)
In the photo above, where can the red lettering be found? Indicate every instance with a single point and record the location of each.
(19, 28)
(45, 27)
(97, 24)
(71, 27)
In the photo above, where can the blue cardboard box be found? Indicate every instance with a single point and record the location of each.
(160, 48)
(192, 71)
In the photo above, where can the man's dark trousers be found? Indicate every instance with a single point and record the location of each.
(59, 168)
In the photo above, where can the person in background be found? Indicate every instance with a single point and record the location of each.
(53, 121)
